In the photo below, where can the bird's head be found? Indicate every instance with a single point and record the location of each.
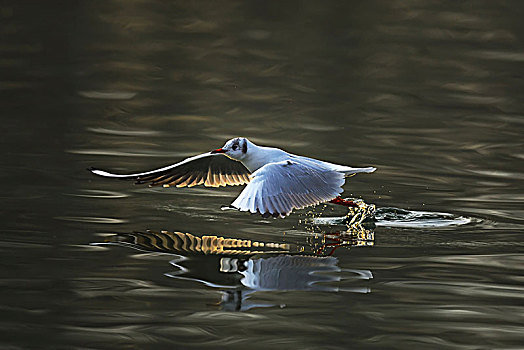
(236, 148)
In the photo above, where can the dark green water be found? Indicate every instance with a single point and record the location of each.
(431, 93)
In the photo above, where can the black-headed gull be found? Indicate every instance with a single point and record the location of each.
(277, 181)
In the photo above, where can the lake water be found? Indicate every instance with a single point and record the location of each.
(431, 93)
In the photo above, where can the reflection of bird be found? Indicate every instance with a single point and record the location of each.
(277, 181)
(241, 266)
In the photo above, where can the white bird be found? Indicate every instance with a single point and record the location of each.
(277, 181)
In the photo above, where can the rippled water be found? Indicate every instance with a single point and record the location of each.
(428, 92)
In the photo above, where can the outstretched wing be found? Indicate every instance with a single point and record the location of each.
(212, 170)
(278, 188)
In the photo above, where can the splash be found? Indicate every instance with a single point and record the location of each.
(395, 217)
(368, 215)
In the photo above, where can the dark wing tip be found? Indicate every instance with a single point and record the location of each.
(268, 214)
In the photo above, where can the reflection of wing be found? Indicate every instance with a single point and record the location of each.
(206, 169)
(278, 188)
(185, 243)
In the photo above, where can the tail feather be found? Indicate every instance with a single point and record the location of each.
(348, 171)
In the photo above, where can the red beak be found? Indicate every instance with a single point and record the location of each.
(218, 150)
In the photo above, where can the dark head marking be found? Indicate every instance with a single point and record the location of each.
(234, 146)
(244, 147)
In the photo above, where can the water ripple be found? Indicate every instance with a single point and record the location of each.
(461, 288)
(508, 56)
(107, 95)
(504, 261)
(91, 219)
(99, 194)
(124, 132)
(130, 153)
(395, 217)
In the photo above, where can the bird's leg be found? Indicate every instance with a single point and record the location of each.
(343, 202)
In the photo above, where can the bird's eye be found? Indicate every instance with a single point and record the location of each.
(235, 147)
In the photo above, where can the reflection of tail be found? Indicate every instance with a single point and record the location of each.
(178, 242)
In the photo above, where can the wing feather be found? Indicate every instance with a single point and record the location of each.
(283, 203)
(278, 188)
(277, 208)
(235, 178)
(273, 206)
(186, 180)
(212, 170)
(198, 180)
